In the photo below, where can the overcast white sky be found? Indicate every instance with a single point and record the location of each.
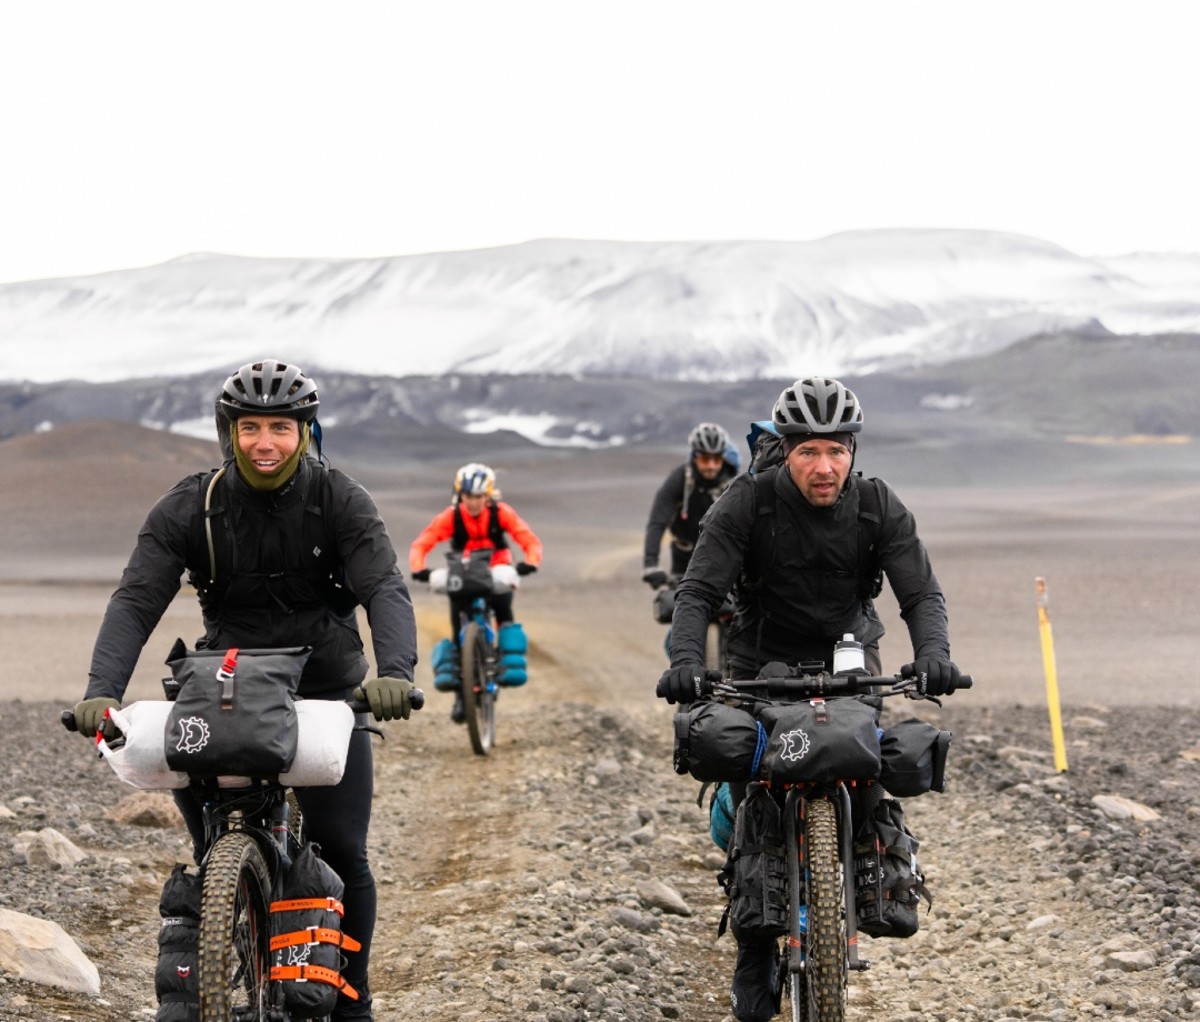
(134, 131)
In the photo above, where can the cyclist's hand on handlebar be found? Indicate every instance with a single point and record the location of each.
(935, 677)
(525, 568)
(654, 578)
(387, 697)
(421, 575)
(89, 716)
(683, 684)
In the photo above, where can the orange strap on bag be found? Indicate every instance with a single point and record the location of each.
(314, 974)
(315, 935)
(302, 904)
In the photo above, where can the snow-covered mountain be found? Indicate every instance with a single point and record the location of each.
(851, 303)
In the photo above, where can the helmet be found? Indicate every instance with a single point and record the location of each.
(817, 405)
(269, 387)
(474, 480)
(708, 438)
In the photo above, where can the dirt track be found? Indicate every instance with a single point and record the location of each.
(469, 851)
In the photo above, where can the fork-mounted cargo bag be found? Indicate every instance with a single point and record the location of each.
(177, 972)
(307, 937)
(755, 873)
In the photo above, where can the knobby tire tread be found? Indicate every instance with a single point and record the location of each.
(234, 956)
(826, 972)
(477, 700)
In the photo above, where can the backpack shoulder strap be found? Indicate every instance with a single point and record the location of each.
(495, 529)
(209, 512)
(870, 518)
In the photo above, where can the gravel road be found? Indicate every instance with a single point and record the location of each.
(527, 885)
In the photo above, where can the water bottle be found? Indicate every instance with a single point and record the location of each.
(848, 656)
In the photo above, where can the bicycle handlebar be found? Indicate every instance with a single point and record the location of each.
(811, 685)
(416, 699)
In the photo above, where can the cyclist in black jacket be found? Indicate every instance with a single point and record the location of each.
(687, 492)
(294, 547)
(804, 542)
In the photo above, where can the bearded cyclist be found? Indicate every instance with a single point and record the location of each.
(805, 542)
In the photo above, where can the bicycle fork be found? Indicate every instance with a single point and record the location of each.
(794, 812)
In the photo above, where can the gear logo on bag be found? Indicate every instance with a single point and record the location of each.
(299, 954)
(193, 734)
(795, 745)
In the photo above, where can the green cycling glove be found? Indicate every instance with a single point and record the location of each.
(388, 697)
(89, 716)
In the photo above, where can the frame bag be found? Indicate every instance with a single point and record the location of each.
(234, 714)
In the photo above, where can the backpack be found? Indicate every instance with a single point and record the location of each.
(328, 580)
(870, 572)
(888, 882)
(755, 873)
(177, 972)
(495, 529)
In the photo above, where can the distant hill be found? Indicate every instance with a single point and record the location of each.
(849, 304)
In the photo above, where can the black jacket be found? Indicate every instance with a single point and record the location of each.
(274, 579)
(802, 590)
(671, 511)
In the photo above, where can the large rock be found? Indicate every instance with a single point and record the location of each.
(40, 951)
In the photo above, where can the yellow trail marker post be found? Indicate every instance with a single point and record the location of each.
(1056, 730)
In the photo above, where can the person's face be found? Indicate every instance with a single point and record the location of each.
(708, 465)
(267, 441)
(474, 504)
(819, 469)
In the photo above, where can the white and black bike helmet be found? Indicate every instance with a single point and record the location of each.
(708, 438)
(474, 480)
(817, 406)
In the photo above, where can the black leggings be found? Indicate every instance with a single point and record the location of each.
(336, 818)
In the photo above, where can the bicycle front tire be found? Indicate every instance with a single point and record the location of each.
(479, 701)
(825, 965)
(235, 955)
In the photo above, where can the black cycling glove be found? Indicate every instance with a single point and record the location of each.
(941, 676)
(681, 684)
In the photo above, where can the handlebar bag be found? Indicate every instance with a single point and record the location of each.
(469, 576)
(324, 728)
(716, 742)
(234, 713)
(913, 758)
(141, 760)
(820, 740)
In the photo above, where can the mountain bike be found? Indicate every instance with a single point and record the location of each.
(253, 830)
(469, 581)
(715, 637)
(821, 945)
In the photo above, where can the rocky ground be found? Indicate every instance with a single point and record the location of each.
(530, 885)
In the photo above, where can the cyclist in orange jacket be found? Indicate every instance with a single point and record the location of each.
(477, 519)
